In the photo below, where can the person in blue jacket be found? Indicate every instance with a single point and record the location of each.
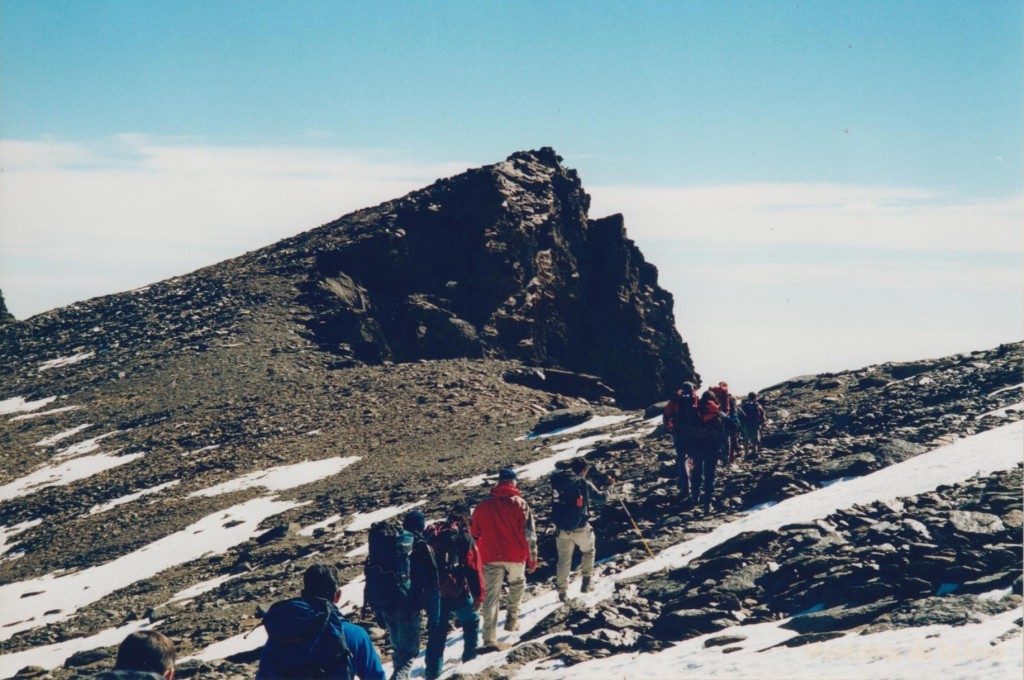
(308, 637)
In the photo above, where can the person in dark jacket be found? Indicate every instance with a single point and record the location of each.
(581, 492)
(143, 655)
(752, 417)
(310, 633)
(679, 418)
(505, 532)
(461, 575)
(709, 442)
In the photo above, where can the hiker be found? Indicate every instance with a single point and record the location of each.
(143, 655)
(679, 418)
(731, 421)
(505, 533)
(401, 582)
(752, 418)
(570, 513)
(307, 637)
(461, 583)
(707, 445)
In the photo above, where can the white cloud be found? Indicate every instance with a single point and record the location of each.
(816, 215)
(84, 216)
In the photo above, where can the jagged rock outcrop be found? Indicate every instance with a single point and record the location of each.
(501, 261)
(5, 316)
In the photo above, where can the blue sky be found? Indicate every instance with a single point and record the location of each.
(791, 146)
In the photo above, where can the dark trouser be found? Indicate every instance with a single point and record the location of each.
(705, 464)
(403, 628)
(467, 619)
(684, 466)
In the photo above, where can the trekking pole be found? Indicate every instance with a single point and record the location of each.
(636, 528)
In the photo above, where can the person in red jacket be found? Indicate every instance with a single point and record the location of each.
(505, 533)
(461, 575)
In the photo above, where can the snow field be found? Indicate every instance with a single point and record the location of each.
(18, 404)
(52, 411)
(65, 361)
(64, 473)
(53, 439)
(109, 505)
(282, 477)
(52, 656)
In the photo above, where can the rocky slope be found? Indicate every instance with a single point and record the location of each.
(418, 342)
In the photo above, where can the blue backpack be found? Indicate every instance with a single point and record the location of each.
(303, 643)
(388, 567)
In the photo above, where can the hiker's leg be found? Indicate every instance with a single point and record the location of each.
(584, 538)
(406, 641)
(494, 575)
(565, 546)
(516, 586)
(697, 478)
(469, 620)
(710, 467)
(437, 636)
(682, 471)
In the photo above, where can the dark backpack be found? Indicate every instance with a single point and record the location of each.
(571, 502)
(451, 544)
(751, 412)
(388, 569)
(314, 652)
(685, 416)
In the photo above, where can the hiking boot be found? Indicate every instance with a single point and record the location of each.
(586, 587)
(512, 623)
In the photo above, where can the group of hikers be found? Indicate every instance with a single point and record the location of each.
(707, 430)
(457, 567)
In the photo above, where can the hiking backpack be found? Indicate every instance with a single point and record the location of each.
(751, 412)
(312, 653)
(571, 501)
(388, 566)
(451, 543)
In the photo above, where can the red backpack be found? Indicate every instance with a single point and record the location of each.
(452, 544)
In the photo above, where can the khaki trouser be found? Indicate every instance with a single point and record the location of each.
(494, 576)
(567, 542)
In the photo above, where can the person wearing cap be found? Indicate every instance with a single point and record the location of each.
(503, 527)
(403, 624)
(308, 636)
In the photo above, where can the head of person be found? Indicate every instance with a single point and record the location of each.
(147, 651)
(579, 466)
(322, 581)
(687, 389)
(507, 476)
(459, 513)
(708, 397)
(752, 396)
(414, 522)
(724, 387)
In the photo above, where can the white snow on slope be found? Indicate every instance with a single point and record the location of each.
(23, 604)
(83, 447)
(103, 507)
(64, 473)
(18, 404)
(363, 521)
(1004, 410)
(590, 424)
(52, 411)
(198, 589)
(997, 449)
(12, 531)
(1006, 389)
(282, 477)
(53, 439)
(65, 361)
(52, 656)
(949, 652)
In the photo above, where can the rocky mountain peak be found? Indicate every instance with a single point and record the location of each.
(502, 262)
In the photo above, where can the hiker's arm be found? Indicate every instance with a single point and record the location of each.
(365, 660)
(531, 536)
(475, 575)
(597, 498)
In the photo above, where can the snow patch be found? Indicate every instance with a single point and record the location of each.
(53, 439)
(65, 361)
(64, 473)
(53, 656)
(52, 411)
(97, 509)
(198, 589)
(590, 424)
(282, 477)
(41, 601)
(18, 404)
(13, 530)
(363, 521)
